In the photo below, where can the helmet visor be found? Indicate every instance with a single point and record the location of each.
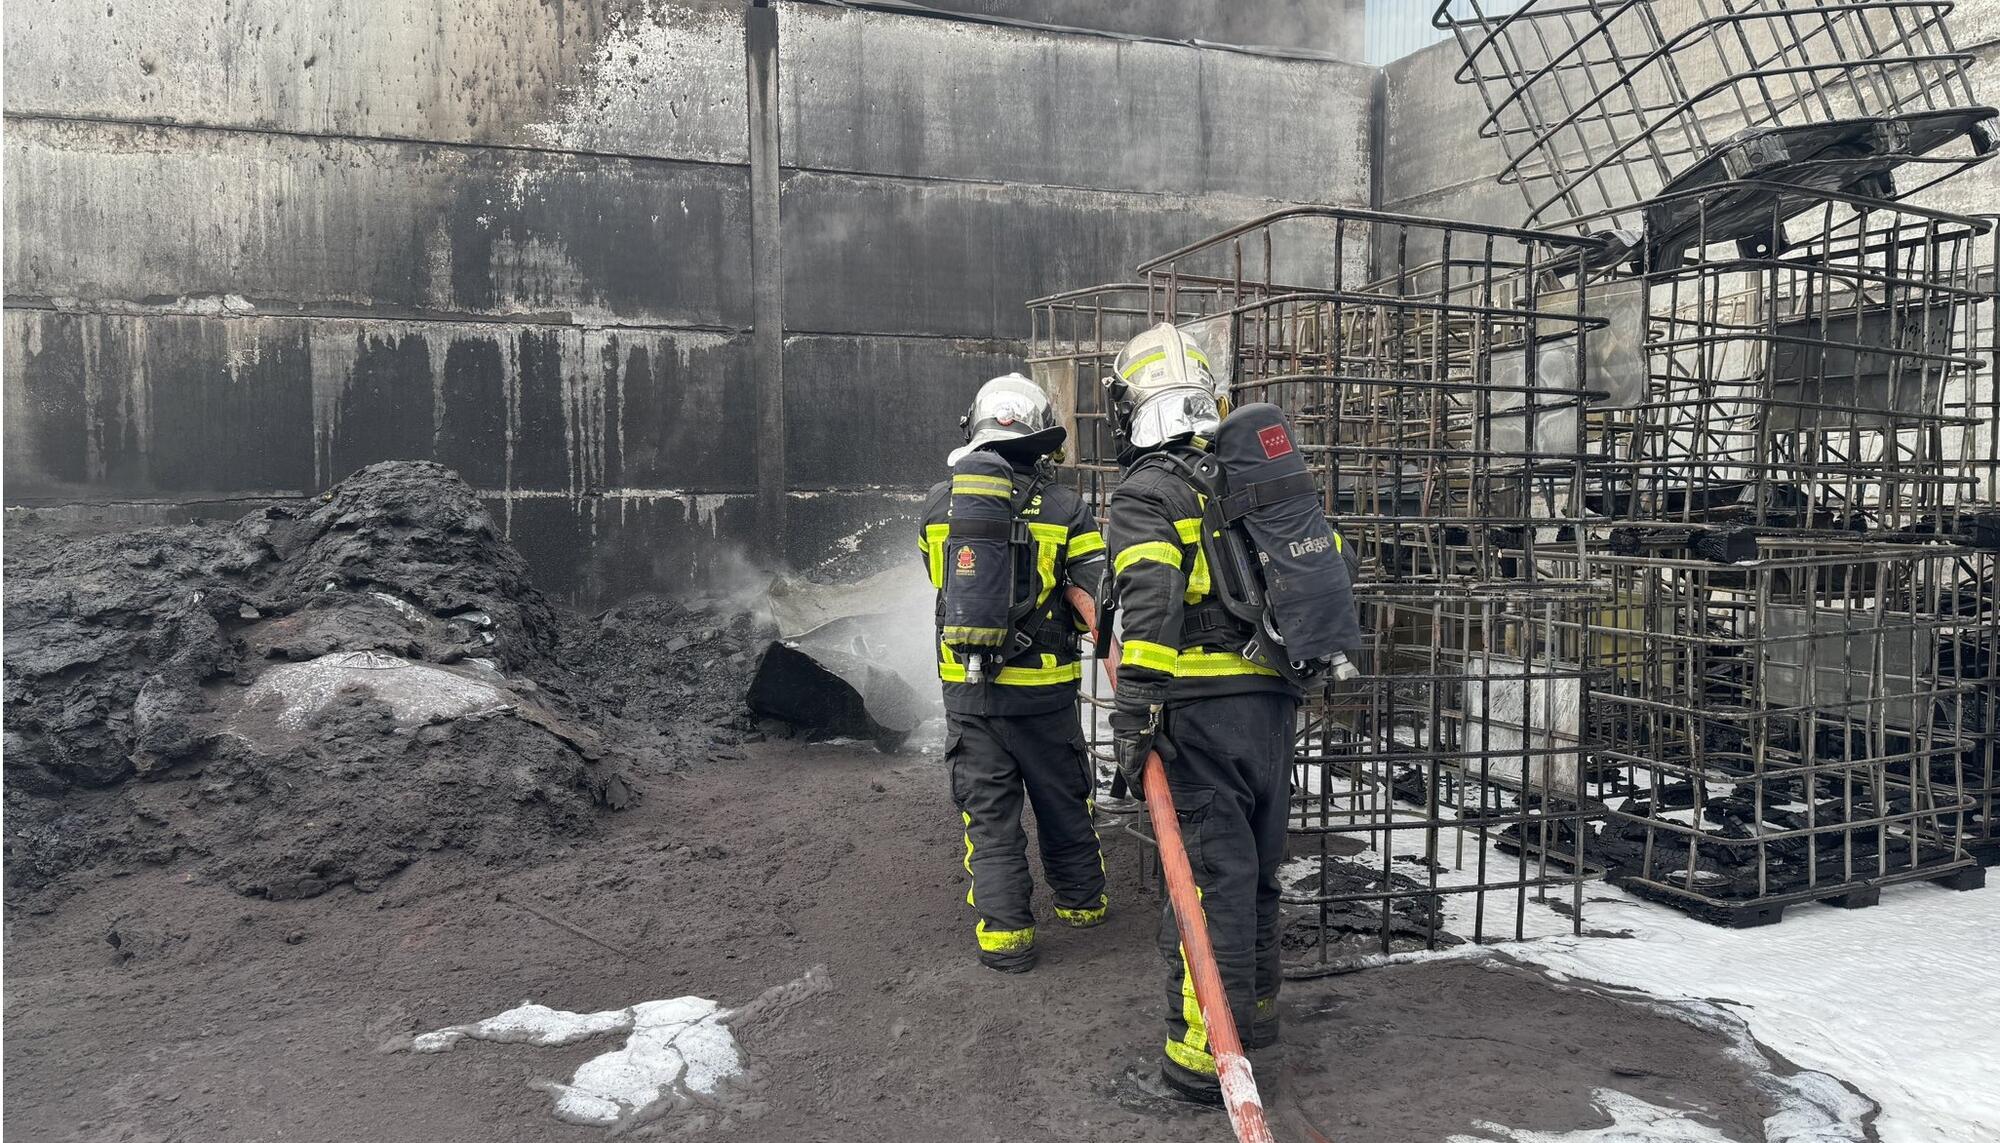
(1173, 413)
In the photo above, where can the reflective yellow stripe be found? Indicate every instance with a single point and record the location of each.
(1199, 664)
(1045, 569)
(1151, 656)
(1129, 370)
(1199, 583)
(1085, 544)
(1048, 674)
(976, 636)
(1039, 676)
(1160, 355)
(973, 484)
(934, 544)
(1158, 551)
(1005, 940)
(1088, 916)
(1193, 1059)
(1191, 1050)
(982, 479)
(1018, 676)
(1049, 533)
(968, 854)
(1194, 663)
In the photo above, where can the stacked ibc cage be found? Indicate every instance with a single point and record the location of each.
(1433, 386)
(1791, 500)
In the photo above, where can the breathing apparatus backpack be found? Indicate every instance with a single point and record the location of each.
(988, 540)
(1276, 566)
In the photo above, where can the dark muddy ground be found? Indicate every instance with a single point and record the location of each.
(161, 1006)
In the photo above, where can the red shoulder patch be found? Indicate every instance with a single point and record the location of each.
(1275, 441)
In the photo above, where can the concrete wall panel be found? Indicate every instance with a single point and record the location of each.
(1434, 161)
(104, 406)
(867, 255)
(253, 245)
(1003, 105)
(114, 212)
(881, 410)
(1314, 25)
(619, 76)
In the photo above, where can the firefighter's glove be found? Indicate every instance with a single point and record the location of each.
(1133, 726)
(1344, 669)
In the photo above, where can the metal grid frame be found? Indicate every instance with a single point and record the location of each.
(1074, 338)
(1436, 396)
(1800, 701)
(1604, 105)
(1822, 373)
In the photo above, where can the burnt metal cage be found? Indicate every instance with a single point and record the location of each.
(1823, 372)
(1609, 109)
(1434, 388)
(1789, 727)
(1074, 340)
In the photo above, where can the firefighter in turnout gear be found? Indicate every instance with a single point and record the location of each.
(1223, 724)
(1006, 549)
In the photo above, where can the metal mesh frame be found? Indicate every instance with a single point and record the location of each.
(1434, 391)
(1074, 339)
(1799, 703)
(1973, 659)
(1602, 105)
(1820, 374)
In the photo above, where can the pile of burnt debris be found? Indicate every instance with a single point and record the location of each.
(321, 694)
(1343, 911)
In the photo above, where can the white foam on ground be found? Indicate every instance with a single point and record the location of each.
(1897, 1000)
(531, 1023)
(673, 1046)
(417, 693)
(1633, 1120)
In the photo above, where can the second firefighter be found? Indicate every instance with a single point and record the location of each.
(1007, 550)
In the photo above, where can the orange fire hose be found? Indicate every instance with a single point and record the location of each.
(1232, 1070)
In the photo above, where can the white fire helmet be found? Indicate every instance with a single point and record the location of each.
(1163, 389)
(1012, 414)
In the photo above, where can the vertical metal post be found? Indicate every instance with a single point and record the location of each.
(767, 282)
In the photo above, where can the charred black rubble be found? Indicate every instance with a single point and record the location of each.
(320, 694)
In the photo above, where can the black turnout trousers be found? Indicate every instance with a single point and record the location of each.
(1230, 777)
(996, 762)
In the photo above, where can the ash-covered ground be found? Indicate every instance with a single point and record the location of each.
(320, 695)
(284, 792)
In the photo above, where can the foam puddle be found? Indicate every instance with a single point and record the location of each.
(1894, 999)
(671, 1047)
(1633, 1120)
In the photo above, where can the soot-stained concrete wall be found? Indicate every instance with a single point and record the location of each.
(253, 245)
(1019, 163)
(1331, 26)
